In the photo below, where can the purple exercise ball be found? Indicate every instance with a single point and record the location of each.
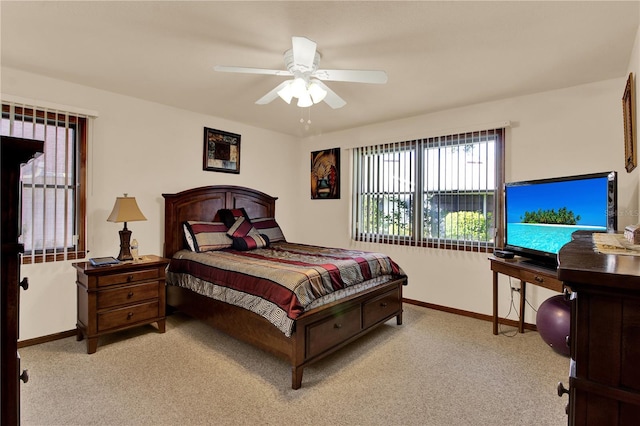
(553, 322)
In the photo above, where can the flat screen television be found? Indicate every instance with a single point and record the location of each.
(541, 215)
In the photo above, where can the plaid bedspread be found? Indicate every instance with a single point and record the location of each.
(283, 280)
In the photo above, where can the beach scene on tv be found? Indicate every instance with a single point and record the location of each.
(543, 216)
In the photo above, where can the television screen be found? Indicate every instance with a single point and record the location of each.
(541, 215)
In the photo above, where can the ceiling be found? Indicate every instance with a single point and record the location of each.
(438, 55)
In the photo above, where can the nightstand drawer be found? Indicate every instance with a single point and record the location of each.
(127, 295)
(128, 277)
(128, 315)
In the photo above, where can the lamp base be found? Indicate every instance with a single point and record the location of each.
(125, 246)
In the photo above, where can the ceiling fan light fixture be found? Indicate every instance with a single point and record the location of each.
(301, 62)
(298, 87)
(305, 101)
(317, 93)
(286, 93)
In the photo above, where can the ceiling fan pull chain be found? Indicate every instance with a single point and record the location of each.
(308, 123)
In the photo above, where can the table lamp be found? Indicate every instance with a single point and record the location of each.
(125, 210)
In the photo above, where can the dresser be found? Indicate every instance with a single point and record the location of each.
(14, 152)
(604, 340)
(115, 297)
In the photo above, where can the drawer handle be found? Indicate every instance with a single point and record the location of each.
(561, 389)
(130, 295)
(539, 279)
(129, 278)
(567, 294)
(24, 376)
(24, 283)
(130, 315)
(337, 325)
(383, 304)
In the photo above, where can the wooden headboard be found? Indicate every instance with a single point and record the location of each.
(203, 203)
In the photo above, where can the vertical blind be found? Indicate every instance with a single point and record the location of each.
(52, 207)
(384, 191)
(437, 192)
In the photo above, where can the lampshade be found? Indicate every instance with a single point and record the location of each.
(125, 210)
(317, 93)
(304, 100)
(286, 93)
(298, 87)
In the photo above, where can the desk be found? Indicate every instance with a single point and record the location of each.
(525, 272)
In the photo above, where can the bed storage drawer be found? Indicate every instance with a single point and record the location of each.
(381, 307)
(331, 331)
(127, 315)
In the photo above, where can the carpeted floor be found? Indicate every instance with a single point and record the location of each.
(436, 369)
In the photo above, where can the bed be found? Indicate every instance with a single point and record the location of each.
(316, 331)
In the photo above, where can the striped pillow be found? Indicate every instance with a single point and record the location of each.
(250, 242)
(245, 236)
(269, 227)
(241, 228)
(206, 236)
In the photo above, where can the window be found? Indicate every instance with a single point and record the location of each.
(434, 192)
(53, 184)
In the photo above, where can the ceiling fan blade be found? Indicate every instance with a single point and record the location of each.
(353, 76)
(332, 99)
(273, 94)
(246, 70)
(304, 52)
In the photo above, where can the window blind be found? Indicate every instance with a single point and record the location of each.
(438, 191)
(52, 188)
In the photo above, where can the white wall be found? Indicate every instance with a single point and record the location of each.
(143, 149)
(564, 132)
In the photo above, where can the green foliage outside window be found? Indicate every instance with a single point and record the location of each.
(387, 216)
(392, 216)
(466, 225)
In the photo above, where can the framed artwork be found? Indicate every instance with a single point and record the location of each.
(221, 151)
(325, 174)
(629, 113)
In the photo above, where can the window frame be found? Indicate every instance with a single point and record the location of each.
(28, 115)
(418, 194)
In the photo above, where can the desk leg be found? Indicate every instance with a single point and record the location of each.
(495, 303)
(523, 295)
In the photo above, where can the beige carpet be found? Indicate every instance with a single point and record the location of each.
(436, 369)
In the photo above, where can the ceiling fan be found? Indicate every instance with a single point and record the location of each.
(301, 62)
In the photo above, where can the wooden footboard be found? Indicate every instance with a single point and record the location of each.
(317, 333)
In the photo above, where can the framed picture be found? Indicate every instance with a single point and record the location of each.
(325, 174)
(629, 113)
(221, 151)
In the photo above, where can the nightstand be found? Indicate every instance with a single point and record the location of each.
(115, 297)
